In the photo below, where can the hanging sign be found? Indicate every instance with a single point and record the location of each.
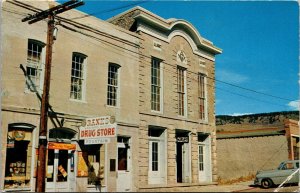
(99, 129)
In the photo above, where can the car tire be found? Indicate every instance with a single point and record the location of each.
(266, 183)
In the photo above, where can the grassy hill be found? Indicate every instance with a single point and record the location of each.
(253, 121)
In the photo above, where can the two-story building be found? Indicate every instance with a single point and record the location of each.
(152, 77)
(176, 100)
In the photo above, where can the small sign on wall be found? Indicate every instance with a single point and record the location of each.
(182, 139)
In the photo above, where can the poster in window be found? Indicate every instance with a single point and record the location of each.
(82, 166)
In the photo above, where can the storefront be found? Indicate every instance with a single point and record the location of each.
(19, 157)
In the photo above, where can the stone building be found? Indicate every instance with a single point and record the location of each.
(176, 100)
(153, 78)
(241, 153)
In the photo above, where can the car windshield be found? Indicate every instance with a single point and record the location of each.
(280, 166)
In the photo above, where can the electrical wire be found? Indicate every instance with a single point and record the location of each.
(107, 42)
(230, 84)
(109, 10)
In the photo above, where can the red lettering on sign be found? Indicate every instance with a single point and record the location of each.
(109, 131)
(113, 131)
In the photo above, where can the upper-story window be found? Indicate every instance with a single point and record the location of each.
(35, 65)
(113, 84)
(202, 96)
(77, 76)
(181, 90)
(156, 87)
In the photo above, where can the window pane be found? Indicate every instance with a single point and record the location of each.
(155, 85)
(34, 65)
(17, 167)
(201, 96)
(201, 164)
(112, 85)
(154, 156)
(181, 90)
(122, 158)
(77, 76)
(62, 173)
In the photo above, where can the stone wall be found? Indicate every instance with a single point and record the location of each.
(243, 157)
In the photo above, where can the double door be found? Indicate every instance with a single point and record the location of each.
(60, 171)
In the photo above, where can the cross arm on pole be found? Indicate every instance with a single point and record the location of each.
(54, 10)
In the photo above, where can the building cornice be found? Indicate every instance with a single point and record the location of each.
(162, 29)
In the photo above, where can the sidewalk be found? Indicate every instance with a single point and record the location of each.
(242, 186)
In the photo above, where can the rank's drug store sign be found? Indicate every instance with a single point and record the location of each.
(97, 130)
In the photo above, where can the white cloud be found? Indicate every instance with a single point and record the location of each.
(240, 114)
(231, 77)
(294, 104)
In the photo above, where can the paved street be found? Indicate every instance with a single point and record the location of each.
(238, 187)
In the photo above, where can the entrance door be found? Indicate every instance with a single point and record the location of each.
(155, 163)
(204, 160)
(179, 161)
(124, 166)
(183, 162)
(60, 170)
(201, 162)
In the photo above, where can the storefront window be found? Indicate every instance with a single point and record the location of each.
(93, 166)
(50, 166)
(17, 168)
(95, 158)
(62, 174)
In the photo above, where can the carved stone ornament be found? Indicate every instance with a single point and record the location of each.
(181, 57)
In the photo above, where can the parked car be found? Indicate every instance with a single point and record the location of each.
(268, 178)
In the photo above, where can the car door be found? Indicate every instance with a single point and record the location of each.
(285, 171)
(295, 178)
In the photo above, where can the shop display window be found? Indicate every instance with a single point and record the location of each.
(93, 158)
(16, 174)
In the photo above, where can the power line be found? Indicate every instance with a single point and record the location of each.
(251, 90)
(110, 10)
(91, 29)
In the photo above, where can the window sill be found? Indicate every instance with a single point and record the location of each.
(78, 101)
(157, 112)
(114, 107)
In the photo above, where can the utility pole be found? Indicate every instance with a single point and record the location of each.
(50, 14)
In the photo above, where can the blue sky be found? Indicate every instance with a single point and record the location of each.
(258, 70)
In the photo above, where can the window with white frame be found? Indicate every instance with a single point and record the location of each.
(77, 76)
(35, 64)
(154, 156)
(155, 84)
(202, 96)
(113, 84)
(201, 157)
(181, 90)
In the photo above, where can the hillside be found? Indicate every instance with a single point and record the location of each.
(253, 121)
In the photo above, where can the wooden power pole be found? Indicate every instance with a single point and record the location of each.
(50, 14)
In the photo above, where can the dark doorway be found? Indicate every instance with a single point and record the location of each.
(179, 161)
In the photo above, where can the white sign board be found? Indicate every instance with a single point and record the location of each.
(99, 129)
(96, 141)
